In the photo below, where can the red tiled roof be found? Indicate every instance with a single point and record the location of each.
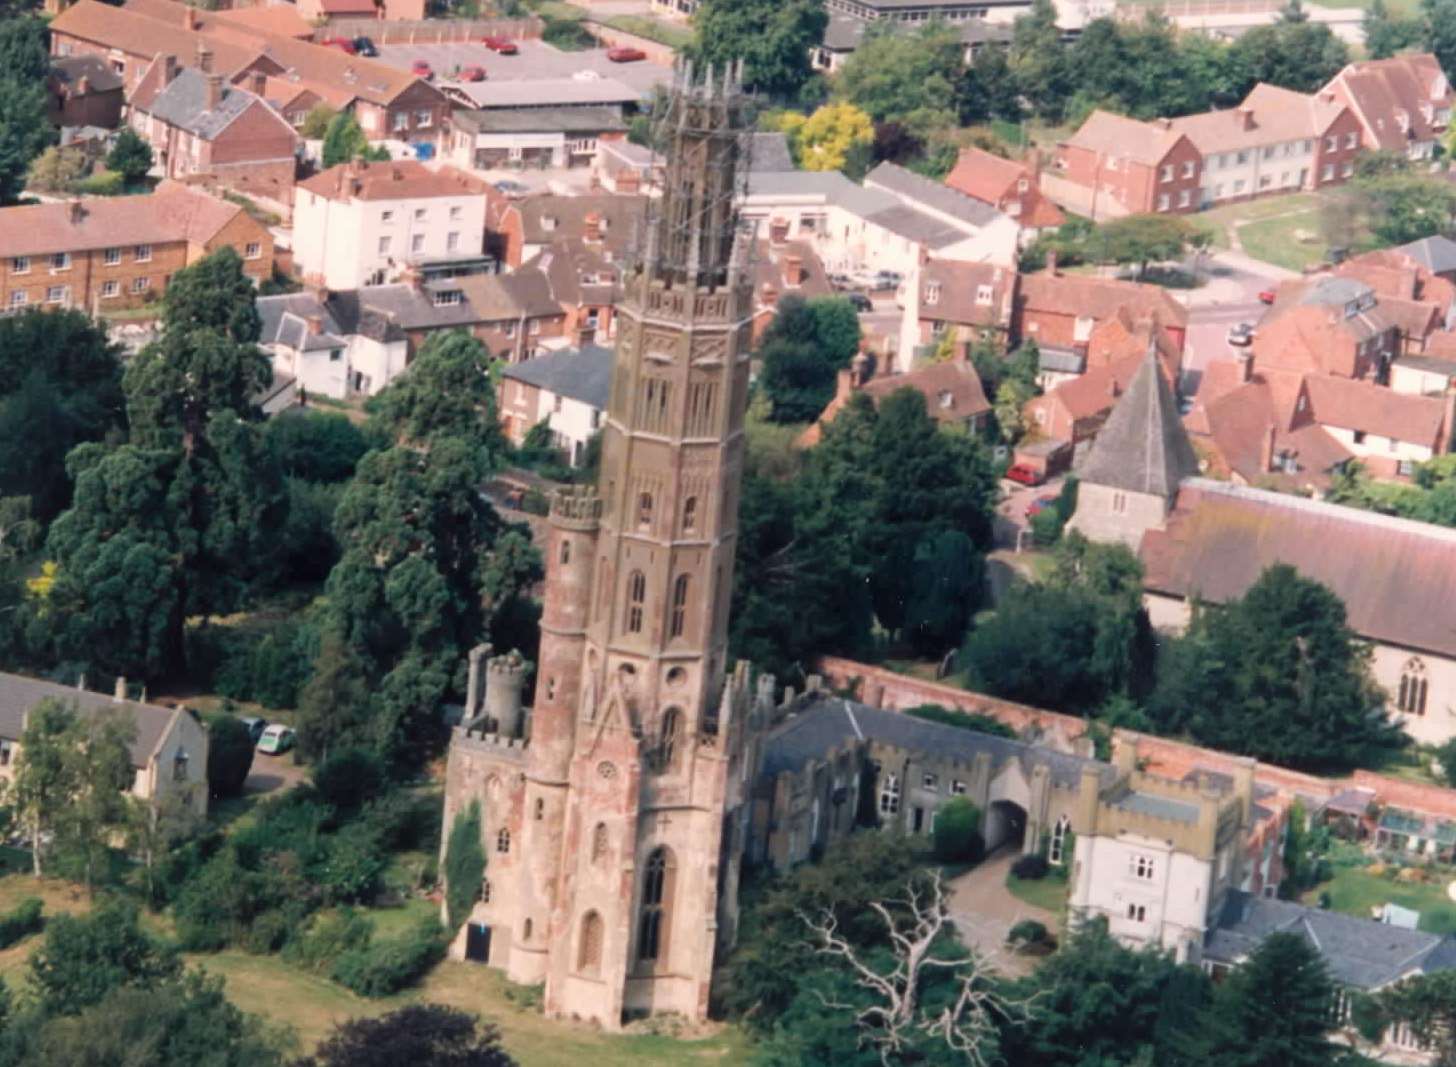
(1098, 298)
(1220, 538)
(135, 34)
(281, 19)
(173, 213)
(985, 176)
(1268, 115)
(1235, 419)
(1363, 406)
(1383, 91)
(952, 389)
(1117, 135)
(400, 180)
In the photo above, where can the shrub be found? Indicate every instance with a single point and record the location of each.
(387, 966)
(102, 183)
(1030, 868)
(229, 755)
(349, 778)
(328, 936)
(957, 832)
(22, 920)
(266, 933)
(351, 865)
(1028, 932)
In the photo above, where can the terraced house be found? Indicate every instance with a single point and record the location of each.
(102, 253)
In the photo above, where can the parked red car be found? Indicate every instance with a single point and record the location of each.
(343, 44)
(1267, 296)
(420, 69)
(1024, 475)
(472, 74)
(625, 55)
(504, 45)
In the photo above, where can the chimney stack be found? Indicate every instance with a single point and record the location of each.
(169, 68)
(76, 211)
(214, 91)
(260, 83)
(189, 18)
(204, 56)
(794, 270)
(592, 227)
(120, 692)
(315, 325)
(1246, 115)
(1246, 366)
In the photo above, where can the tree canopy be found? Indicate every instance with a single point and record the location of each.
(771, 37)
(802, 352)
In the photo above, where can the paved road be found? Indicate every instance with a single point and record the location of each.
(1231, 296)
(984, 910)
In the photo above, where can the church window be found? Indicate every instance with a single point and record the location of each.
(657, 886)
(667, 740)
(653, 410)
(599, 843)
(636, 596)
(1057, 849)
(679, 606)
(485, 890)
(589, 954)
(644, 511)
(565, 552)
(1412, 695)
(890, 795)
(700, 408)
(503, 841)
(690, 514)
(540, 809)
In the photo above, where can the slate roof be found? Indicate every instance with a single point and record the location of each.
(183, 103)
(769, 152)
(341, 314)
(539, 119)
(583, 374)
(1220, 537)
(825, 723)
(1436, 254)
(1360, 953)
(69, 70)
(916, 188)
(1142, 447)
(19, 694)
(1157, 806)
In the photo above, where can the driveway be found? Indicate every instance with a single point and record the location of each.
(272, 773)
(984, 911)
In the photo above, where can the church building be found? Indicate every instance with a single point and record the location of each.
(614, 810)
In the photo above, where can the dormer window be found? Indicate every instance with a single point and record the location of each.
(947, 399)
(932, 293)
(548, 223)
(983, 295)
(448, 298)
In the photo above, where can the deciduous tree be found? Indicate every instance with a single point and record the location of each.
(130, 156)
(827, 139)
(772, 38)
(422, 1035)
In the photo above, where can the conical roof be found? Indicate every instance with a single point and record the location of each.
(1142, 447)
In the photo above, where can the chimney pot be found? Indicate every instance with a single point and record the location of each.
(214, 91)
(76, 211)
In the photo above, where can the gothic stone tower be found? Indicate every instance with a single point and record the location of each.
(627, 797)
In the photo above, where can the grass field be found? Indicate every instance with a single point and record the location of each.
(1356, 891)
(1049, 893)
(1291, 241)
(310, 1005)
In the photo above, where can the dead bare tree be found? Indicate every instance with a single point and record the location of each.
(897, 1017)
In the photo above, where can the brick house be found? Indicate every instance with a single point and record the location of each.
(119, 252)
(1010, 187)
(952, 389)
(520, 228)
(784, 268)
(199, 125)
(1402, 104)
(1330, 325)
(1116, 166)
(964, 300)
(1275, 141)
(567, 388)
(84, 91)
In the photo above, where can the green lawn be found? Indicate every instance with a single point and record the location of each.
(1049, 893)
(1356, 891)
(1291, 241)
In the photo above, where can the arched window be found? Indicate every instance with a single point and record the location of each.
(667, 738)
(565, 551)
(1412, 696)
(678, 619)
(599, 843)
(589, 953)
(540, 809)
(503, 841)
(485, 890)
(890, 795)
(1056, 850)
(644, 511)
(657, 887)
(690, 514)
(636, 596)
(526, 931)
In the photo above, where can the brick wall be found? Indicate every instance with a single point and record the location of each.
(86, 276)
